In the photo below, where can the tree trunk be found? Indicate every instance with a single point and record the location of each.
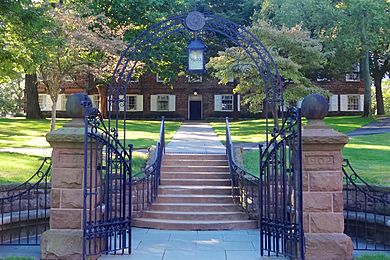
(33, 111)
(380, 106)
(53, 115)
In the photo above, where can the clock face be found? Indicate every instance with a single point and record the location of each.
(195, 60)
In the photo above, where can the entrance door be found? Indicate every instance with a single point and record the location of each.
(195, 110)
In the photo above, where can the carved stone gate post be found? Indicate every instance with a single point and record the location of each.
(323, 218)
(64, 239)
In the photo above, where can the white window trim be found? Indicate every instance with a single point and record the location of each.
(354, 75)
(161, 80)
(154, 103)
(139, 103)
(191, 78)
(218, 103)
(358, 103)
(134, 80)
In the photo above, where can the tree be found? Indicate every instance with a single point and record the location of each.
(296, 56)
(351, 30)
(75, 47)
(21, 25)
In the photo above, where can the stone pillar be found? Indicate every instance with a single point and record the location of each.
(323, 218)
(64, 239)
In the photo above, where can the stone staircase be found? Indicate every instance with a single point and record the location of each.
(195, 194)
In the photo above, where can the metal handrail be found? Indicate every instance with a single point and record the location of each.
(146, 182)
(244, 184)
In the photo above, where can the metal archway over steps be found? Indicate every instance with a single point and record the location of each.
(107, 189)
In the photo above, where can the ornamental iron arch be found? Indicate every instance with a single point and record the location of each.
(114, 161)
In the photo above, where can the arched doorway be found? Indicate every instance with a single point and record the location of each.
(109, 229)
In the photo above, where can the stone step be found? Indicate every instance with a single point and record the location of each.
(195, 175)
(183, 168)
(201, 207)
(194, 162)
(196, 182)
(194, 199)
(194, 215)
(194, 190)
(195, 156)
(194, 225)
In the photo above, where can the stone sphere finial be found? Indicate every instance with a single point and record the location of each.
(315, 106)
(74, 107)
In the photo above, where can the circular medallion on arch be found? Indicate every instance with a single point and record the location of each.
(195, 21)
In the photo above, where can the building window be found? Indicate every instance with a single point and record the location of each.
(160, 79)
(134, 79)
(353, 103)
(194, 78)
(63, 102)
(354, 75)
(42, 101)
(227, 103)
(162, 103)
(95, 100)
(131, 103)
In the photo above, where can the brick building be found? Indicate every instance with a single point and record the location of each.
(200, 97)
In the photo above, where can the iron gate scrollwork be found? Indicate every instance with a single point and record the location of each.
(280, 189)
(107, 189)
(109, 162)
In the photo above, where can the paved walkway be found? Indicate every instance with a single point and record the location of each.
(195, 138)
(381, 126)
(154, 244)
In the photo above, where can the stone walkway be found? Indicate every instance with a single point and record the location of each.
(151, 244)
(195, 138)
(381, 126)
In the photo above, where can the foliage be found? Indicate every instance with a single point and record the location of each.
(346, 28)
(294, 52)
(11, 98)
(22, 25)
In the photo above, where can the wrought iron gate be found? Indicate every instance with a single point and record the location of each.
(107, 202)
(280, 189)
(107, 189)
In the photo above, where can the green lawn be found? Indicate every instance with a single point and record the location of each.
(367, 154)
(370, 157)
(24, 133)
(21, 133)
(374, 257)
(18, 168)
(253, 130)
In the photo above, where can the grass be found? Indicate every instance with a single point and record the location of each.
(253, 130)
(17, 258)
(17, 168)
(345, 124)
(21, 132)
(370, 157)
(373, 257)
(24, 133)
(367, 154)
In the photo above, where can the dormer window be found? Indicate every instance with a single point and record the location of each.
(160, 79)
(354, 75)
(194, 78)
